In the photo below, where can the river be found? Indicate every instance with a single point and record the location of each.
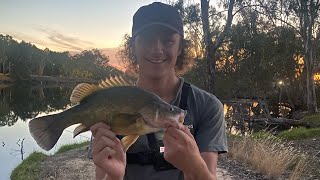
(18, 105)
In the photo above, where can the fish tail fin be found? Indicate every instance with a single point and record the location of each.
(46, 130)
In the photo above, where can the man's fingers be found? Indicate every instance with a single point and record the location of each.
(168, 139)
(176, 133)
(186, 130)
(101, 143)
(106, 152)
(94, 128)
(105, 132)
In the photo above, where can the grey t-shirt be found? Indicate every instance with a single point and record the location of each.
(209, 132)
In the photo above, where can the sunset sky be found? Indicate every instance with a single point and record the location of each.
(72, 25)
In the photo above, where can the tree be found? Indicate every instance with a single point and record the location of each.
(210, 46)
(303, 16)
(5, 43)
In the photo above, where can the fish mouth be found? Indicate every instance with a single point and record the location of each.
(173, 121)
(156, 61)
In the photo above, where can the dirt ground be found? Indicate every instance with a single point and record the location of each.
(73, 165)
(312, 148)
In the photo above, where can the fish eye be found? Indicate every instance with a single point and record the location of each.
(171, 108)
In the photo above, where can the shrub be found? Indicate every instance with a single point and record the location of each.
(268, 155)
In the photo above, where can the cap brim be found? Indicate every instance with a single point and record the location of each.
(155, 24)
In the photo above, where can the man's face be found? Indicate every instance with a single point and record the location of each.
(156, 49)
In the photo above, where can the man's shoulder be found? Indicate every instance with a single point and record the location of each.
(202, 95)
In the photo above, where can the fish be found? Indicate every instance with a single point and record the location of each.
(130, 111)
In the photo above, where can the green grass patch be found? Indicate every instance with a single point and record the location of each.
(299, 133)
(262, 135)
(29, 168)
(313, 120)
(69, 147)
(233, 136)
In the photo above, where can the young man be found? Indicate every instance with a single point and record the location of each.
(157, 50)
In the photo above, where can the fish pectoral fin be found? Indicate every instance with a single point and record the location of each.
(127, 141)
(80, 129)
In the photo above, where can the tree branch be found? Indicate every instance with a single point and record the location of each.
(226, 28)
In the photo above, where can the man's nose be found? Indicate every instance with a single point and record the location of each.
(157, 46)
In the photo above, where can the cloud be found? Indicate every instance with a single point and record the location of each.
(62, 41)
(25, 37)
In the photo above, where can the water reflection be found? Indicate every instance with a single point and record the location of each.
(241, 115)
(18, 105)
(26, 102)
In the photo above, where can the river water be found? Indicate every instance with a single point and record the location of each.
(20, 104)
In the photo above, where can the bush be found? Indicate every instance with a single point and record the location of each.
(268, 155)
(313, 120)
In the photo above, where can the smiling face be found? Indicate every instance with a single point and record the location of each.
(156, 49)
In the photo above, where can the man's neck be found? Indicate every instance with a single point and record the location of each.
(166, 87)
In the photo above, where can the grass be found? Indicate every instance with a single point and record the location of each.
(69, 147)
(313, 120)
(299, 133)
(268, 155)
(29, 168)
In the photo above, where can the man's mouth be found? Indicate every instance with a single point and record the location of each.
(156, 61)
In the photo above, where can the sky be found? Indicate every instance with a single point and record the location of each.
(68, 25)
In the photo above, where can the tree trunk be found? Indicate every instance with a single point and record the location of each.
(208, 43)
(9, 67)
(3, 68)
(211, 47)
(281, 121)
(307, 17)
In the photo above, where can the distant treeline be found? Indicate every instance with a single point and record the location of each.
(23, 59)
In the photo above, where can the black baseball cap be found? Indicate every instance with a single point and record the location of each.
(157, 13)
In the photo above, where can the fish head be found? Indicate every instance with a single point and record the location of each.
(160, 114)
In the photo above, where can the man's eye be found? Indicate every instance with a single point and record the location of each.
(169, 41)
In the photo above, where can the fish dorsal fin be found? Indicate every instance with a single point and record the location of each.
(81, 91)
(115, 81)
(84, 89)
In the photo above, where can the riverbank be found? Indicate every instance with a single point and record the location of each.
(4, 79)
(45, 80)
(74, 165)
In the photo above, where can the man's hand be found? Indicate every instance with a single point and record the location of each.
(108, 154)
(181, 151)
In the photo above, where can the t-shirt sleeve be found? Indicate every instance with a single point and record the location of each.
(211, 128)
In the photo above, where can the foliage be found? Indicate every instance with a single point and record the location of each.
(300, 133)
(29, 169)
(263, 135)
(23, 59)
(69, 147)
(313, 120)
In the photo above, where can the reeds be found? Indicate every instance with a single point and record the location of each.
(269, 155)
